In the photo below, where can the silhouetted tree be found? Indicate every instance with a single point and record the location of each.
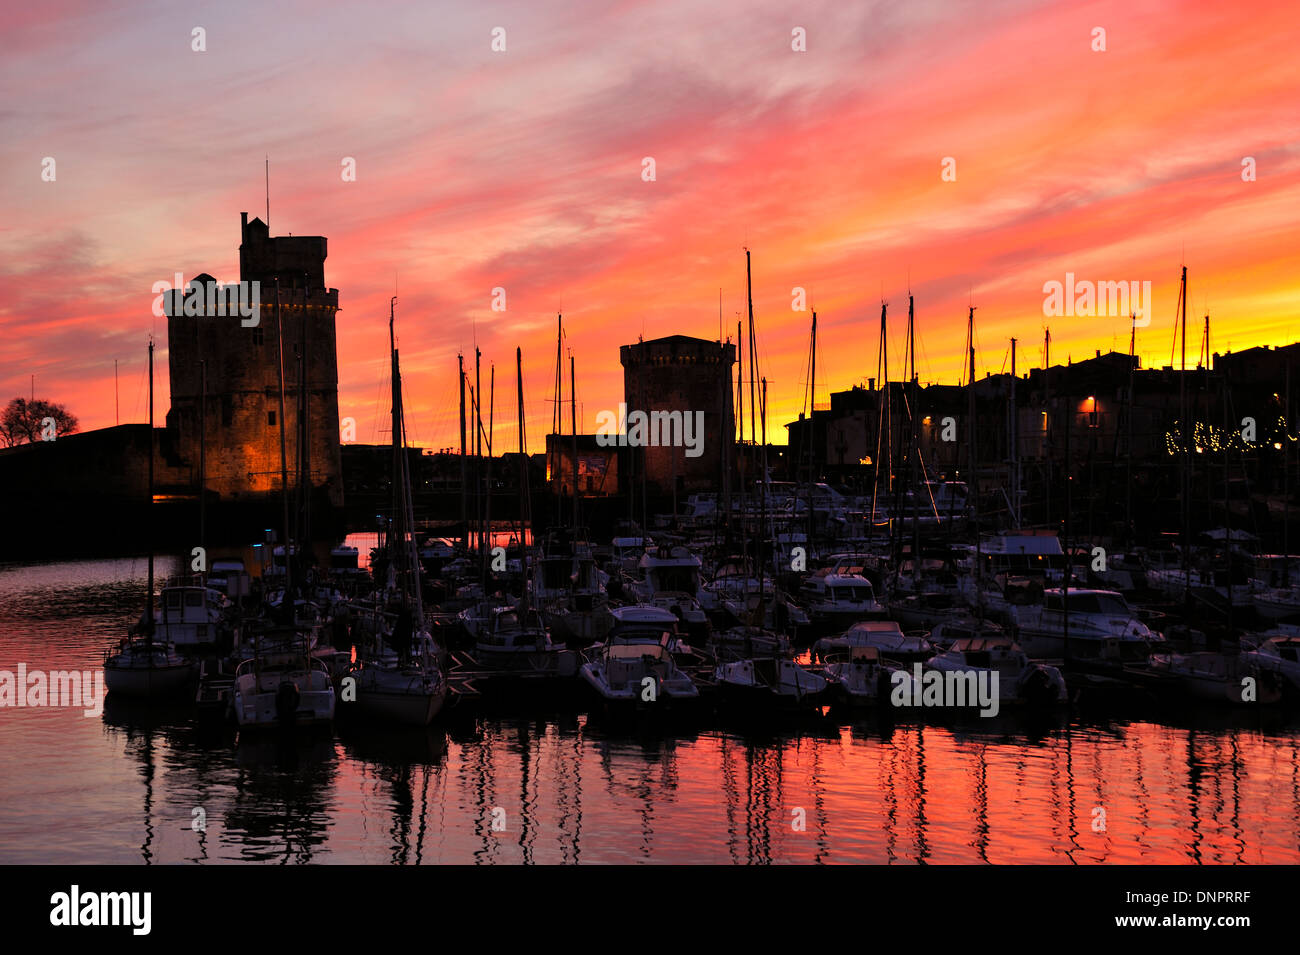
(23, 421)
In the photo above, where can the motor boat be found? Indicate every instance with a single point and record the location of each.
(834, 600)
(1016, 678)
(517, 640)
(190, 615)
(767, 682)
(636, 668)
(884, 635)
(860, 678)
(1092, 617)
(1278, 653)
(282, 687)
(1221, 676)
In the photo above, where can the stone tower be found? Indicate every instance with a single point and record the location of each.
(679, 373)
(240, 417)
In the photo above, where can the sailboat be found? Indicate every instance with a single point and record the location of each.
(139, 666)
(404, 683)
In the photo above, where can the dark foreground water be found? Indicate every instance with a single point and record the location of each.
(134, 784)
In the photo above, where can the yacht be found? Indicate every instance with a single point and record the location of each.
(284, 686)
(517, 640)
(1276, 653)
(670, 577)
(1017, 679)
(139, 666)
(766, 682)
(885, 636)
(1094, 616)
(834, 600)
(409, 693)
(635, 667)
(1220, 676)
(924, 611)
(860, 678)
(1277, 603)
(190, 615)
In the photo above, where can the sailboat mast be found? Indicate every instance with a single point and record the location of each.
(1187, 447)
(1012, 438)
(486, 540)
(478, 463)
(464, 504)
(749, 297)
(740, 446)
(915, 452)
(573, 423)
(525, 507)
(811, 429)
(1047, 424)
(557, 416)
(1128, 443)
(762, 531)
(882, 417)
(203, 434)
(149, 600)
(408, 520)
(973, 489)
(284, 454)
(397, 530)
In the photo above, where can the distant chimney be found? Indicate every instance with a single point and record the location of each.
(1098, 352)
(871, 384)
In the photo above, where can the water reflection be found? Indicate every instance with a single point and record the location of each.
(498, 787)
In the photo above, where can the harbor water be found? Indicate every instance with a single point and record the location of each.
(140, 784)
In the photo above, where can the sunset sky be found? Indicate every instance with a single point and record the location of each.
(522, 169)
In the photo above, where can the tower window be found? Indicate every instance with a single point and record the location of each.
(259, 338)
(270, 418)
(227, 411)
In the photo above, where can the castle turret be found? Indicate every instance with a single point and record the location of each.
(236, 347)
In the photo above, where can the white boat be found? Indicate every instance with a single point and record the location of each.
(1094, 617)
(834, 601)
(747, 642)
(861, 678)
(1221, 676)
(765, 682)
(1277, 603)
(189, 615)
(517, 640)
(345, 564)
(411, 694)
(670, 577)
(1277, 653)
(583, 613)
(636, 667)
(1017, 679)
(282, 688)
(627, 552)
(885, 636)
(142, 667)
(1216, 585)
(924, 611)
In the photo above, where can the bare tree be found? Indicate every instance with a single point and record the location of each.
(23, 421)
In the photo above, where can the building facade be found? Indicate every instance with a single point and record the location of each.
(225, 374)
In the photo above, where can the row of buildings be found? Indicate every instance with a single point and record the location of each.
(233, 432)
